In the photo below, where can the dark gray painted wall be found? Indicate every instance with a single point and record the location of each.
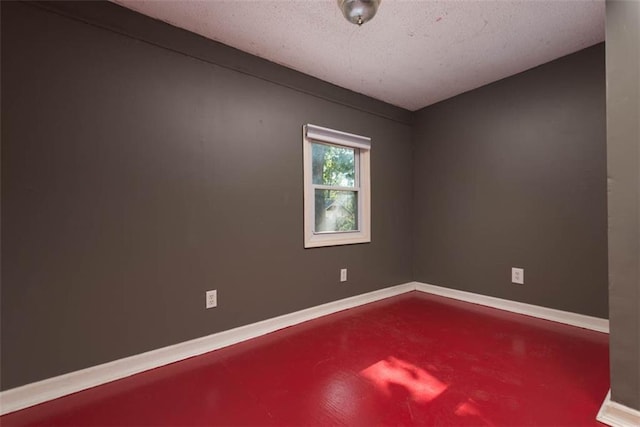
(134, 178)
(623, 168)
(514, 175)
(123, 21)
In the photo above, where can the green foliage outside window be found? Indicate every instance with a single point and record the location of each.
(335, 210)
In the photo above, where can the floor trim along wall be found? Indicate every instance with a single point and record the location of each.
(41, 391)
(617, 415)
(574, 319)
(52, 388)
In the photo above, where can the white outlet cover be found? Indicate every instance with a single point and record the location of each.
(517, 276)
(212, 298)
(343, 274)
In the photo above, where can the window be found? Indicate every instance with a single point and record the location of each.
(337, 191)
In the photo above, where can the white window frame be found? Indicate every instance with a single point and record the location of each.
(362, 145)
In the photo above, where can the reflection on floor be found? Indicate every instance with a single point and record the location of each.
(414, 359)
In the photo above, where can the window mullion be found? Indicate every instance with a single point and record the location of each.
(334, 188)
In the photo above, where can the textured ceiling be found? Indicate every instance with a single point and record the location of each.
(412, 54)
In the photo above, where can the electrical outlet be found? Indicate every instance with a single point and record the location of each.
(343, 274)
(212, 298)
(517, 275)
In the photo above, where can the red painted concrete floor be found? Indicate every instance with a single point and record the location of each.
(414, 359)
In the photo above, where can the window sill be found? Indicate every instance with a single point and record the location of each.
(323, 240)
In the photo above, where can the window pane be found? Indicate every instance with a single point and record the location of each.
(333, 165)
(336, 210)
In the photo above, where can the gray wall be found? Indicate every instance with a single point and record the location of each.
(623, 164)
(135, 177)
(514, 175)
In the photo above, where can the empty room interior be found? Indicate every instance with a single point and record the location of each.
(348, 212)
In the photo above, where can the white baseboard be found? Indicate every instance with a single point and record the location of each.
(52, 388)
(574, 319)
(617, 415)
(41, 391)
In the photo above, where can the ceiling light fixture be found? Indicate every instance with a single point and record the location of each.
(358, 11)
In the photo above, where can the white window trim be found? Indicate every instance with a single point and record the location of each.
(315, 133)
